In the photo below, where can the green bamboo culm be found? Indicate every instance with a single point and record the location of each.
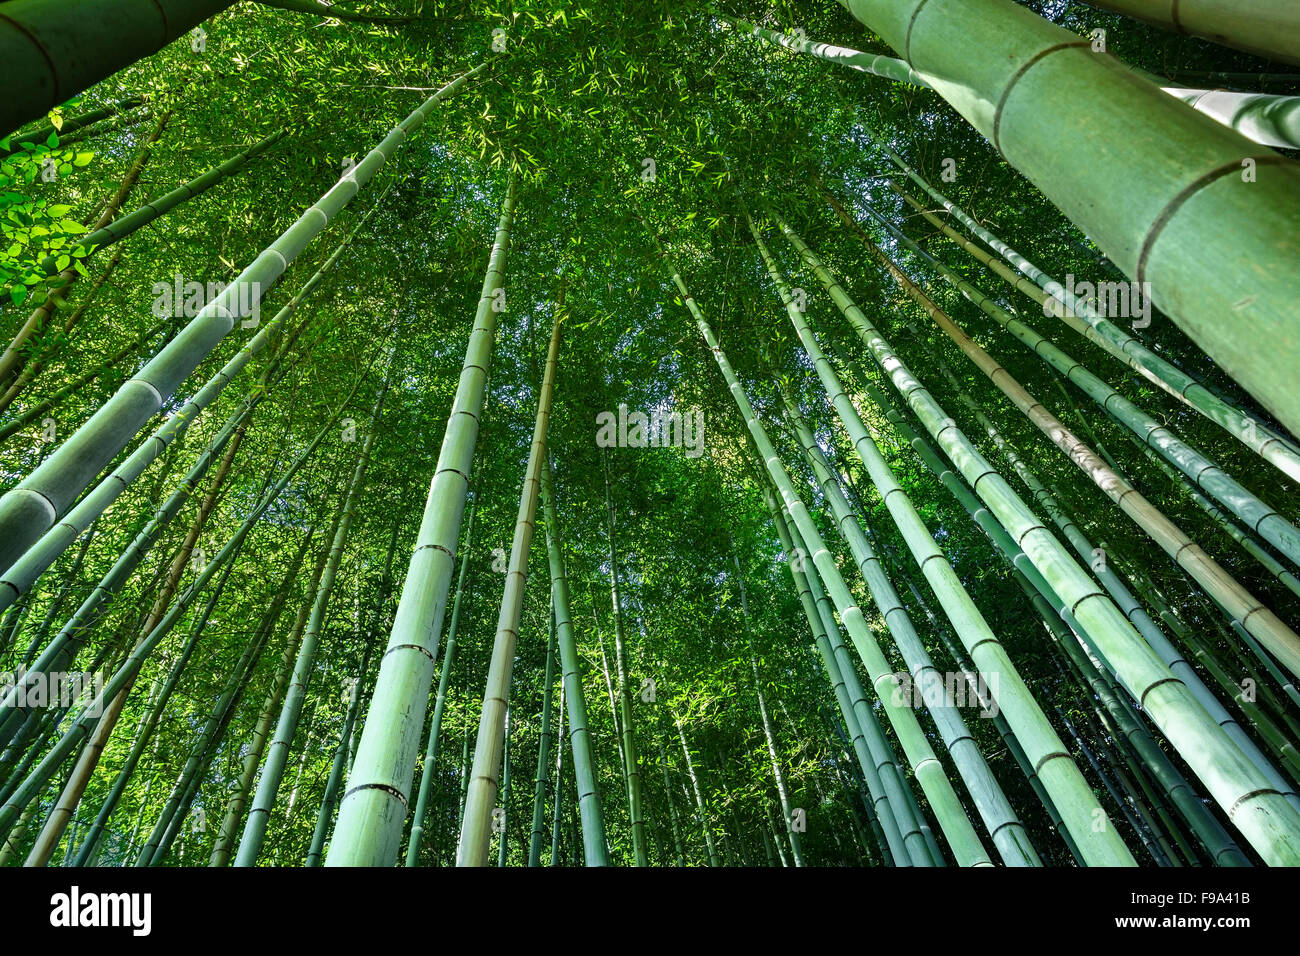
(1267, 119)
(888, 67)
(1158, 192)
(123, 226)
(440, 702)
(71, 124)
(480, 802)
(590, 812)
(335, 780)
(35, 503)
(1259, 811)
(54, 49)
(1268, 28)
(368, 831)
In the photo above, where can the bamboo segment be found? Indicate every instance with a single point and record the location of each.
(1260, 812)
(368, 831)
(1161, 186)
(54, 49)
(1263, 118)
(891, 68)
(543, 754)
(1269, 28)
(440, 703)
(480, 801)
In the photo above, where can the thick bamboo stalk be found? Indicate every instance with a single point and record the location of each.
(368, 831)
(1269, 28)
(55, 49)
(440, 702)
(1159, 190)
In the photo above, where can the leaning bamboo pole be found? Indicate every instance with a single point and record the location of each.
(1268, 28)
(1005, 829)
(878, 799)
(440, 702)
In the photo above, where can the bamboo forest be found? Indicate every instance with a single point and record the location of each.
(663, 433)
